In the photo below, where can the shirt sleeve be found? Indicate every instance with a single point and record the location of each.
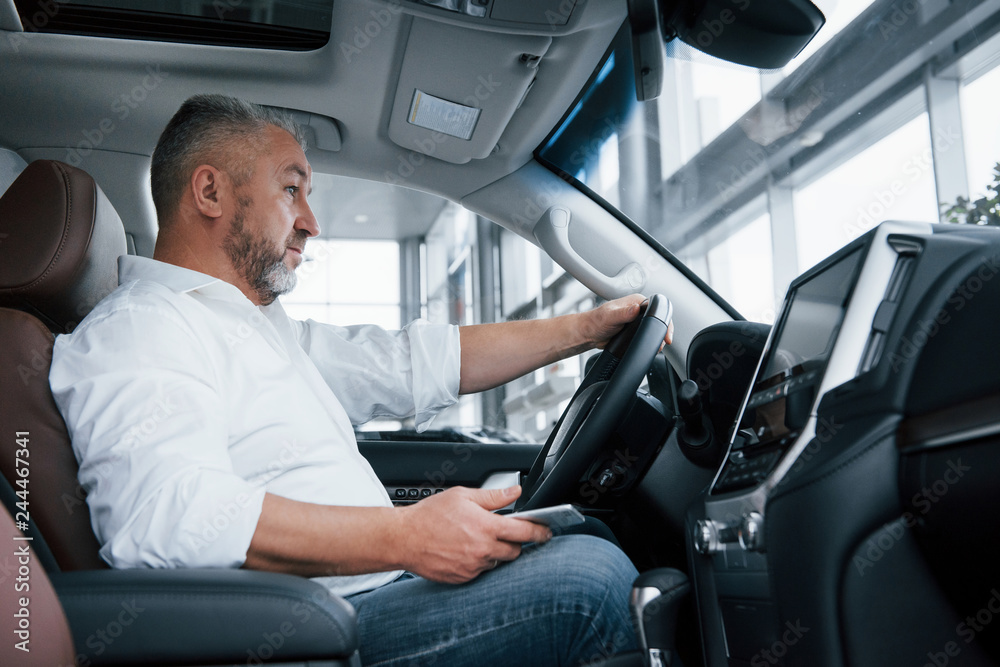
(139, 397)
(378, 373)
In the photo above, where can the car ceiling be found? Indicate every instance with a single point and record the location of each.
(62, 91)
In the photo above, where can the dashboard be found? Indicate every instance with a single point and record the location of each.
(870, 346)
(820, 339)
(780, 402)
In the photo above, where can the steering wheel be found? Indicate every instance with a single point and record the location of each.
(597, 408)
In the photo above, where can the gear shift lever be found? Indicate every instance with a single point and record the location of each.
(694, 433)
(655, 600)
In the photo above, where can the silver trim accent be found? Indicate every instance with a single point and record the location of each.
(751, 532)
(638, 600)
(704, 536)
(710, 536)
(502, 480)
(959, 436)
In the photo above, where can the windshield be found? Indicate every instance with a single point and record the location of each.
(750, 177)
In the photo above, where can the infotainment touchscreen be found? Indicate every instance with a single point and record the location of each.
(784, 389)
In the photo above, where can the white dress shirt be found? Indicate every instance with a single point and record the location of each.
(185, 403)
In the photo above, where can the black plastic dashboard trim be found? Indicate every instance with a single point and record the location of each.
(442, 464)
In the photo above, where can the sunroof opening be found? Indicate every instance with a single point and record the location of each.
(291, 25)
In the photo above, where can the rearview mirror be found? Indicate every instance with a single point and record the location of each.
(757, 33)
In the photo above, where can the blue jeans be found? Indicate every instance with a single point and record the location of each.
(561, 603)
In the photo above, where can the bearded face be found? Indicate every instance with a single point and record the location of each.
(260, 260)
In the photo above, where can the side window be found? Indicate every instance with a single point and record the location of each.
(348, 282)
(389, 255)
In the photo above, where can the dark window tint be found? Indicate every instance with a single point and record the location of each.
(296, 25)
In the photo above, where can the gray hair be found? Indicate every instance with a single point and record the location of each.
(226, 132)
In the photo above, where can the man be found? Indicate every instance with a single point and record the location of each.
(214, 431)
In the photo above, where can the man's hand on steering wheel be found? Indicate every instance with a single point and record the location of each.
(601, 402)
(605, 321)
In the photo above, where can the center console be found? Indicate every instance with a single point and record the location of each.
(853, 519)
(829, 329)
(786, 385)
(832, 328)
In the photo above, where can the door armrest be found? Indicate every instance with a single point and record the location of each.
(203, 616)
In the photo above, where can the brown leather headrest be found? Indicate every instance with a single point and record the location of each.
(60, 240)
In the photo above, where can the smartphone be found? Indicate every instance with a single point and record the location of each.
(560, 516)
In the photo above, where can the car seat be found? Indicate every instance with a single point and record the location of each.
(60, 239)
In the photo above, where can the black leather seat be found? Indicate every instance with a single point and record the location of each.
(59, 243)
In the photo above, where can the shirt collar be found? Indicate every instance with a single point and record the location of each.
(177, 278)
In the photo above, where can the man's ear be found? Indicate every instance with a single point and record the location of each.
(207, 185)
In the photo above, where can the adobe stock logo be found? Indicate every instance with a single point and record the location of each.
(715, 26)
(923, 501)
(33, 24)
(967, 631)
(122, 107)
(773, 654)
(363, 35)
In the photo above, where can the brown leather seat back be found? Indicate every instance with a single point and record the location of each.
(55, 500)
(60, 240)
(35, 634)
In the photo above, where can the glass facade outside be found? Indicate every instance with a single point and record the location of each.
(746, 206)
(979, 120)
(329, 288)
(746, 197)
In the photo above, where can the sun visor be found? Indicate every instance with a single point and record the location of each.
(459, 88)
